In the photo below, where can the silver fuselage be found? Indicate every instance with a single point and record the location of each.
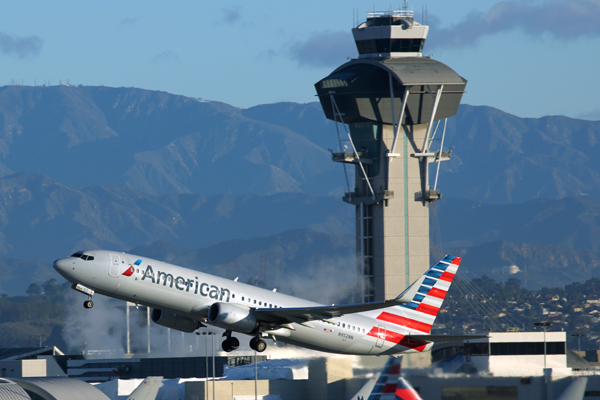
(190, 293)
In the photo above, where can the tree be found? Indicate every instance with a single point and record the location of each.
(33, 289)
(51, 288)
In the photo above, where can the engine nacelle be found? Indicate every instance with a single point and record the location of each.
(235, 318)
(174, 321)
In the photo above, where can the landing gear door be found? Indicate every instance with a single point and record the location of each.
(115, 261)
(380, 336)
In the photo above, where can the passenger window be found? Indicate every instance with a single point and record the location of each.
(233, 295)
(137, 270)
(254, 301)
(260, 303)
(270, 305)
(343, 325)
(363, 330)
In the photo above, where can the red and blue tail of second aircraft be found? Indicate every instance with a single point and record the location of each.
(388, 385)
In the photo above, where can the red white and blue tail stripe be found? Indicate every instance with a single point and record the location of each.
(389, 385)
(419, 314)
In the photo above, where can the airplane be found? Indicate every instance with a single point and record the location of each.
(185, 300)
(147, 390)
(388, 384)
(575, 390)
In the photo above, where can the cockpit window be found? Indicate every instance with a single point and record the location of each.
(83, 256)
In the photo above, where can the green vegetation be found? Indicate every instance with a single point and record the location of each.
(479, 305)
(39, 317)
(483, 304)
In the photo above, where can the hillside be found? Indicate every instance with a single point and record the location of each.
(500, 158)
(154, 142)
(125, 168)
(571, 222)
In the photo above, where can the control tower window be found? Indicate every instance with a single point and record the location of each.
(340, 79)
(390, 46)
(386, 21)
(333, 83)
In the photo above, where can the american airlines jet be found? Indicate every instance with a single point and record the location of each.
(185, 300)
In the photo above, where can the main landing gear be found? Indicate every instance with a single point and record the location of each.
(231, 343)
(256, 343)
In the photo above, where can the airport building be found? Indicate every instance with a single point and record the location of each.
(505, 366)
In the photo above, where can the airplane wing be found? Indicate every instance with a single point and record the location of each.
(303, 315)
(445, 338)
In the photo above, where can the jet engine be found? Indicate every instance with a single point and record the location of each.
(232, 317)
(174, 321)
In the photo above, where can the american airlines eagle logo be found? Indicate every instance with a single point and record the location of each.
(131, 269)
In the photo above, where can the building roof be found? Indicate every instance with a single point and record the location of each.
(416, 70)
(373, 90)
(20, 353)
(575, 361)
(58, 388)
(9, 390)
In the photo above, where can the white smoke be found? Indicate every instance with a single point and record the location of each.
(332, 281)
(101, 332)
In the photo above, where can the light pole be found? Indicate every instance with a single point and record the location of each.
(578, 336)
(544, 324)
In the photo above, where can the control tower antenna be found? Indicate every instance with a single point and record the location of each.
(390, 102)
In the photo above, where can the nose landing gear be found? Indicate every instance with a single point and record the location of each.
(80, 288)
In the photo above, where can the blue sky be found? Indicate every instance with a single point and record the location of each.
(528, 58)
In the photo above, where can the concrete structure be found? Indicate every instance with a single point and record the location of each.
(390, 99)
(100, 370)
(505, 354)
(22, 368)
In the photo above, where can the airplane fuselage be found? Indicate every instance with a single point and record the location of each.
(189, 293)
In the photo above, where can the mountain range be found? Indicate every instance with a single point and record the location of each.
(220, 188)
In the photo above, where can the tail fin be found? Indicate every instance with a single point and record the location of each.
(424, 297)
(147, 390)
(388, 385)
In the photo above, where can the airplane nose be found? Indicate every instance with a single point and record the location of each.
(60, 265)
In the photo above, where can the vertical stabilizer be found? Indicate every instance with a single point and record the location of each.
(147, 390)
(575, 391)
(425, 297)
(388, 385)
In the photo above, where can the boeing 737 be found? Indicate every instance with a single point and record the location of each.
(185, 300)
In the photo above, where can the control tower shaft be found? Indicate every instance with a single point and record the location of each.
(389, 103)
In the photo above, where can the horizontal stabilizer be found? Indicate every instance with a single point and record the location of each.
(445, 338)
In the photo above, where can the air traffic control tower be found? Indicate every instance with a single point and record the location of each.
(390, 106)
